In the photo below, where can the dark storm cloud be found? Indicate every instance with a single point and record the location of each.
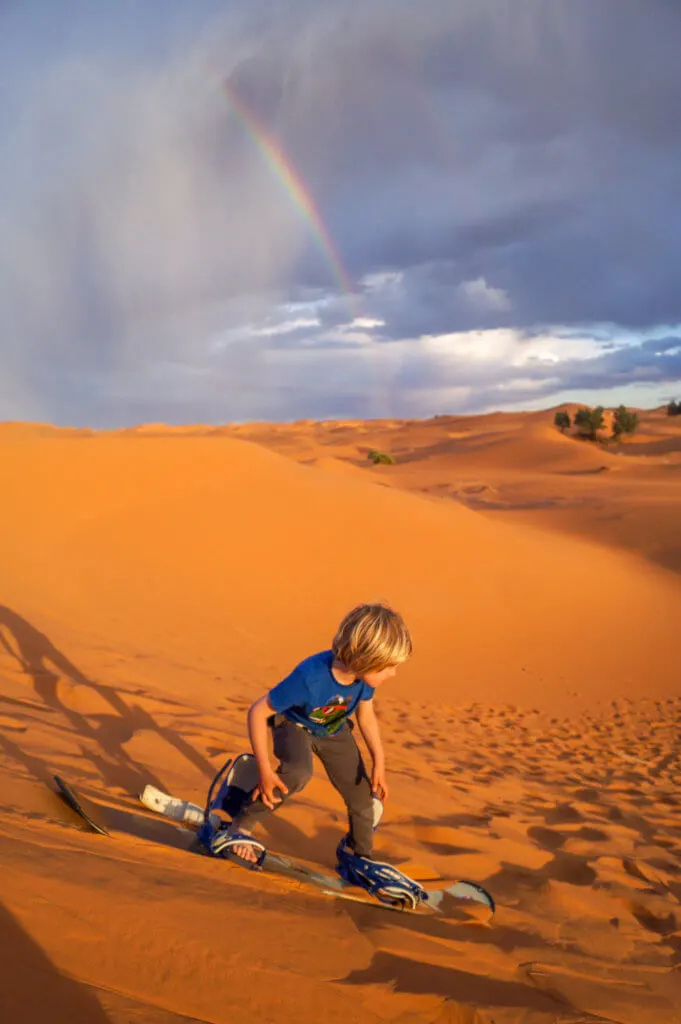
(479, 164)
(536, 145)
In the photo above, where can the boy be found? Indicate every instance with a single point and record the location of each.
(309, 712)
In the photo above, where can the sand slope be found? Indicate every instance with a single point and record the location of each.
(518, 467)
(156, 581)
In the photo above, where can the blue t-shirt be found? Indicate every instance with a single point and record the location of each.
(312, 696)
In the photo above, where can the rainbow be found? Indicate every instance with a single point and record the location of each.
(291, 180)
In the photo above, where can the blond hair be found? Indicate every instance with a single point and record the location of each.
(371, 637)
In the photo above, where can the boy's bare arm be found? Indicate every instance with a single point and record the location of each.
(368, 725)
(257, 730)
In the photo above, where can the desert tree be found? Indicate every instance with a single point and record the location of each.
(624, 422)
(562, 420)
(589, 421)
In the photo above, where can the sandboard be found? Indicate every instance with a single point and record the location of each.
(449, 901)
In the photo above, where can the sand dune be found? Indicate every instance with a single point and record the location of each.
(157, 546)
(518, 467)
(157, 580)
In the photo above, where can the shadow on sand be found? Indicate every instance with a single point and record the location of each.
(105, 734)
(31, 987)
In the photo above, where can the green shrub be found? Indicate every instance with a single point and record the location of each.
(562, 420)
(625, 421)
(589, 421)
(380, 458)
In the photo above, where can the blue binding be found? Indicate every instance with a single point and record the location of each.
(206, 832)
(385, 882)
(218, 842)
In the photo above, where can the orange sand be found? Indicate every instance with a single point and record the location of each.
(157, 580)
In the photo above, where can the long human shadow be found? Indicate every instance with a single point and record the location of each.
(45, 664)
(31, 987)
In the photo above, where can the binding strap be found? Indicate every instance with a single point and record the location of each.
(207, 830)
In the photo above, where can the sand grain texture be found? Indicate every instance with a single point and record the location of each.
(157, 580)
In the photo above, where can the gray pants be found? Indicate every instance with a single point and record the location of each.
(344, 766)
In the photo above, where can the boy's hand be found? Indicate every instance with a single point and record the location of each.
(378, 784)
(269, 781)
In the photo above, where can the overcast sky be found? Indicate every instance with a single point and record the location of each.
(497, 186)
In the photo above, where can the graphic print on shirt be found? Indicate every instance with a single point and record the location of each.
(332, 715)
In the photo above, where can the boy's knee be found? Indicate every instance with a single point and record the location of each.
(296, 777)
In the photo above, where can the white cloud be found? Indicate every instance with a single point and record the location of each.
(527, 384)
(477, 346)
(512, 347)
(552, 349)
(286, 327)
(383, 280)
(483, 297)
(366, 323)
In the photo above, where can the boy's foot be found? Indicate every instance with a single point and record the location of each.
(236, 844)
(244, 850)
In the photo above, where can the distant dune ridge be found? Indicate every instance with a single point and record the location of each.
(158, 579)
